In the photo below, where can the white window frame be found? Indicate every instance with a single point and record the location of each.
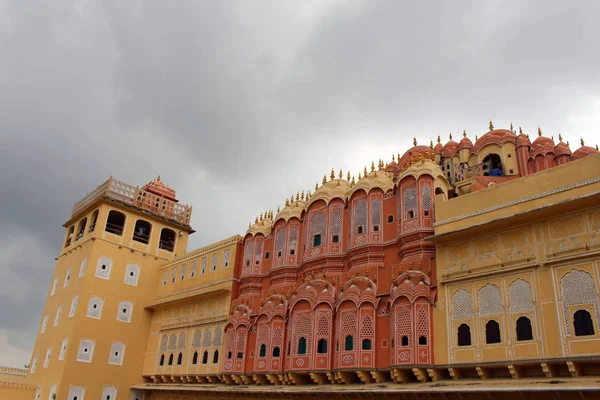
(44, 324)
(73, 306)
(54, 284)
(83, 267)
(57, 316)
(127, 305)
(63, 349)
(47, 358)
(104, 274)
(132, 281)
(67, 278)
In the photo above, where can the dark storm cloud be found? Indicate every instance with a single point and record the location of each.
(238, 105)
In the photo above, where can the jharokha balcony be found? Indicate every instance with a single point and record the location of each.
(155, 197)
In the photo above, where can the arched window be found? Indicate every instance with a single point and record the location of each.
(349, 343)
(582, 320)
(93, 221)
(524, 331)
(366, 344)
(141, 232)
(423, 340)
(195, 358)
(179, 359)
(464, 335)
(167, 239)
(322, 346)
(263, 350)
(229, 355)
(171, 359)
(216, 357)
(69, 236)
(240, 355)
(492, 332)
(205, 357)
(404, 341)
(81, 228)
(302, 345)
(276, 352)
(115, 222)
(162, 360)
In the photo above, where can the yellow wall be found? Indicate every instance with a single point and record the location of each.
(533, 243)
(119, 252)
(195, 301)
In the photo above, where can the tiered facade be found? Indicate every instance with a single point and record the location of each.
(456, 261)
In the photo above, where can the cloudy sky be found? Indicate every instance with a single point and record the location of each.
(238, 105)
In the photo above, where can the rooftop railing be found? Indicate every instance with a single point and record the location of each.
(136, 197)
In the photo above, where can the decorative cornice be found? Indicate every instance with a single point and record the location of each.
(206, 249)
(519, 201)
(13, 371)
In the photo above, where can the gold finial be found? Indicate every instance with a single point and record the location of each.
(256, 220)
(261, 217)
(393, 157)
(348, 176)
(365, 171)
(341, 174)
(520, 131)
(372, 166)
(324, 179)
(414, 140)
(287, 202)
(386, 165)
(338, 183)
(278, 209)
(431, 144)
(398, 157)
(582, 143)
(309, 195)
(464, 133)
(439, 140)
(302, 196)
(332, 175)
(491, 125)
(476, 137)
(511, 127)
(567, 143)
(352, 184)
(539, 131)
(297, 196)
(359, 177)
(596, 147)
(158, 178)
(559, 137)
(249, 225)
(317, 186)
(450, 135)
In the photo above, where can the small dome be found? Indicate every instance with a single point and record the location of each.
(584, 151)
(562, 149)
(374, 179)
(465, 143)
(523, 140)
(542, 140)
(336, 188)
(263, 227)
(450, 149)
(541, 145)
(415, 153)
(497, 136)
(293, 209)
(159, 188)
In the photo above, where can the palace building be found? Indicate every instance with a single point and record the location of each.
(450, 270)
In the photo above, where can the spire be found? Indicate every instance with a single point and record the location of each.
(324, 179)
(414, 140)
(302, 196)
(582, 143)
(297, 195)
(372, 166)
(439, 140)
(393, 157)
(341, 174)
(348, 176)
(491, 125)
(559, 137)
(464, 133)
(158, 178)
(511, 127)
(520, 131)
(332, 175)
(431, 144)
(476, 137)
(352, 183)
(365, 171)
(278, 209)
(287, 202)
(256, 220)
(316, 186)
(539, 131)
(450, 135)
(359, 177)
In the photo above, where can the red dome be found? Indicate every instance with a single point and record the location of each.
(465, 143)
(159, 188)
(498, 136)
(584, 151)
(450, 149)
(541, 140)
(415, 152)
(562, 149)
(523, 140)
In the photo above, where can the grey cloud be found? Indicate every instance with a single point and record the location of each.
(240, 105)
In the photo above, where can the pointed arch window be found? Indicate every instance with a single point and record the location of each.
(195, 358)
(205, 357)
(276, 352)
(162, 360)
(263, 350)
(464, 335)
(170, 359)
(366, 344)
(322, 346)
(492, 332)
(179, 359)
(524, 331)
(216, 357)
(302, 345)
(349, 343)
(582, 320)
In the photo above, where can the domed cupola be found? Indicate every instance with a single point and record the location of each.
(335, 188)
(262, 224)
(450, 149)
(562, 148)
(584, 151)
(416, 153)
(541, 145)
(293, 207)
(465, 142)
(374, 179)
(438, 147)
